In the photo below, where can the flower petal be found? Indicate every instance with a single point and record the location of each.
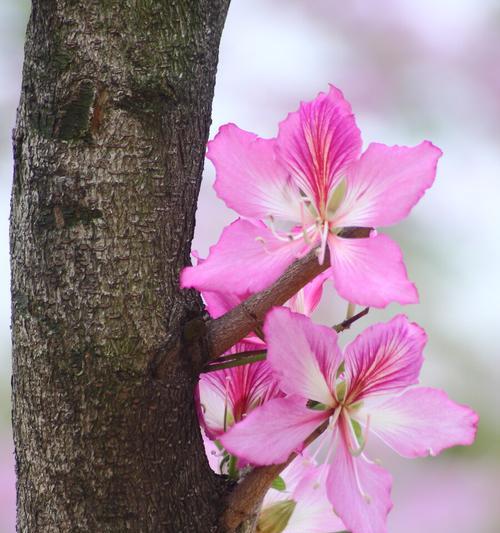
(384, 358)
(308, 298)
(214, 455)
(385, 183)
(370, 271)
(304, 356)
(421, 421)
(269, 434)
(313, 512)
(219, 303)
(317, 142)
(212, 406)
(249, 179)
(247, 258)
(359, 491)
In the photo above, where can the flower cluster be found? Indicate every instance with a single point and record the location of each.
(310, 188)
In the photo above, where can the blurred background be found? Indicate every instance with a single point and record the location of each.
(412, 70)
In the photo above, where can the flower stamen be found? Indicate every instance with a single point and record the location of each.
(324, 237)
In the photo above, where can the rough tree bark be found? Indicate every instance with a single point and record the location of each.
(109, 147)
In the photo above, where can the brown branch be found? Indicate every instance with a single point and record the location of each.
(248, 494)
(224, 332)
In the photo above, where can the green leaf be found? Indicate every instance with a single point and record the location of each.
(279, 484)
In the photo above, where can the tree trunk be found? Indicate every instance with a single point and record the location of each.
(109, 148)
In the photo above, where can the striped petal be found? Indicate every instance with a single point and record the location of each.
(304, 356)
(227, 396)
(317, 142)
(384, 358)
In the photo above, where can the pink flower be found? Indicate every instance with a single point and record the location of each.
(302, 190)
(227, 396)
(366, 392)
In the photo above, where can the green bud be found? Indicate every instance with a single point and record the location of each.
(275, 518)
(279, 484)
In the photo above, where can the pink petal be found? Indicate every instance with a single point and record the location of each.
(241, 263)
(359, 491)
(370, 271)
(249, 179)
(269, 434)
(386, 182)
(317, 142)
(308, 298)
(219, 303)
(214, 455)
(313, 512)
(384, 358)
(211, 402)
(421, 421)
(304, 356)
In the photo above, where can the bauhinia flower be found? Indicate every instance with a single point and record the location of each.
(367, 391)
(310, 188)
(301, 504)
(227, 396)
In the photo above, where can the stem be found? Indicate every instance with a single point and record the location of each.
(351, 309)
(235, 362)
(347, 323)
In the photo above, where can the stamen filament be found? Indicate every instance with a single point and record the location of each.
(324, 237)
(352, 435)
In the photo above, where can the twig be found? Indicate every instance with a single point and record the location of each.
(238, 355)
(249, 492)
(347, 323)
(260, 356)
(224, 332)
